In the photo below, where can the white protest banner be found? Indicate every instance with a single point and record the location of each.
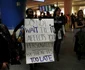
(39, 52)
(39, 30)
(39, 39)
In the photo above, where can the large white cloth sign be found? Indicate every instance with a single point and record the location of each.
(39, 39)
(39, 30)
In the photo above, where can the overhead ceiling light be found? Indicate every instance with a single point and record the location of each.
(40, 0)
(77, 0)
(55, 5)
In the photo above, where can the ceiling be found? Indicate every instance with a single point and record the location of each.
(35, 4)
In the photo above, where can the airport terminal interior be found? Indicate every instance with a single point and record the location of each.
(68, 59)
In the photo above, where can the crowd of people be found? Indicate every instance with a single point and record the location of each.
(60, 20)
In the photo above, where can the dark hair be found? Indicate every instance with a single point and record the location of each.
(48, 12)
(29, 9)
(79, 12)
(56, 9)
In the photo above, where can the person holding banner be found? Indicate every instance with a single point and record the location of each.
(59, 31)
(29, 14)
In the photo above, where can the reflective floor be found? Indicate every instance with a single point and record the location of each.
(68, 58)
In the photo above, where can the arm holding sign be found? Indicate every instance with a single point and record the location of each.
(19, 25)
(29, 13)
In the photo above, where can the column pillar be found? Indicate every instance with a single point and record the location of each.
(12, 12)
(67, 6)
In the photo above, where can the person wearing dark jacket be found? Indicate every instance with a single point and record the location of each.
(59, 31)
(4, 47)
(4, 52)
(29, 13)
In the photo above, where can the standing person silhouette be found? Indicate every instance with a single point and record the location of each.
(29, 13)
(4, 47)
(59, 31)
(79, 25)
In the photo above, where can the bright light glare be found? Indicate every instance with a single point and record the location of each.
(38, 12)
(84, 11)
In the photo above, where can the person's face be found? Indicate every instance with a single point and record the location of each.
(58, 12)
(80, 14)
(30, 13)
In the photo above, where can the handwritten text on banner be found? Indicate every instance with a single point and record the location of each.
(39, 40)
(39, 52)
(39, 30)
